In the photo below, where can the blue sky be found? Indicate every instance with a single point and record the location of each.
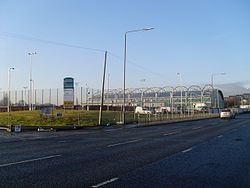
(195, 37)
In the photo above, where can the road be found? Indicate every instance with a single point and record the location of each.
(204, 153)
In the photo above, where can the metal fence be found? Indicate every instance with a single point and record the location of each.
(175, 97)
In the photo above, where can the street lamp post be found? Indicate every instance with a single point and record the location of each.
(212, 83)
(180, 79)
(76, 85)
(87, 97)
(9, 75)
(142, 88)
(30, 96)
(25, 87)
(124, 67)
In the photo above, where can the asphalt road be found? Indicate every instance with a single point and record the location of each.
(204, 153)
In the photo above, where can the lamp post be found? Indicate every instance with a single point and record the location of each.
(124, 66)
(25, 87)
(30, 96)
(180, 79)
(143, 81)
(9, 74)
(76, 85)
(87, 97)
(212, 83)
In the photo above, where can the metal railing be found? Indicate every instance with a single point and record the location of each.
(180, 97)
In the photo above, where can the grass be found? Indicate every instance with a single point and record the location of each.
(69, 117)
(82, 118)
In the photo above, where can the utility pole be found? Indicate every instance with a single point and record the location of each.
(103, 84)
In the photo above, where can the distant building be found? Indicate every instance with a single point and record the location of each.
(237, 100)
(166, 96)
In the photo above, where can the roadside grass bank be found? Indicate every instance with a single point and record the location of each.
(62, 118)
(83, 118)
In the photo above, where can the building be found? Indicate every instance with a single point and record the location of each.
(180, 97)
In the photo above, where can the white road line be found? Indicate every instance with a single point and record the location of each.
(187, 150)
(195, 128)
(37, 138)
(113, 130)
(105, 182)
(30, 160)
(171, 133)
(220, 136)
(63, 141)
(233, 130)
(122, 143)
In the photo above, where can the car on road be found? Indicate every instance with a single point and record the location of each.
(227, 114)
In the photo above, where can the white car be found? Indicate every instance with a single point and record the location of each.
(140, 110)
(227, 114)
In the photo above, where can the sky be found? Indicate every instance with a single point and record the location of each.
(195, 38)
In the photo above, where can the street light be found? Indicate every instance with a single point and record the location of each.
(76, 85)
(180, 79)
(25, 98)
(142, 80)
(212, 83)
(87, 97)
(30, 96)
(124, 66)
(9, 74)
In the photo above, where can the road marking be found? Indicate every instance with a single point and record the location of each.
(122, 143)
(113, 130)
(171, 133)
(195, 128)
(63, 141)
(187, 150)
(220, 136)
(105, 182)
(30, 160)
(37, 138)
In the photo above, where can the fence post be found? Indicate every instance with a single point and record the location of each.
(81, 97)
(35, 97)
(57, 96)
(50, 96)
(42, 96)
